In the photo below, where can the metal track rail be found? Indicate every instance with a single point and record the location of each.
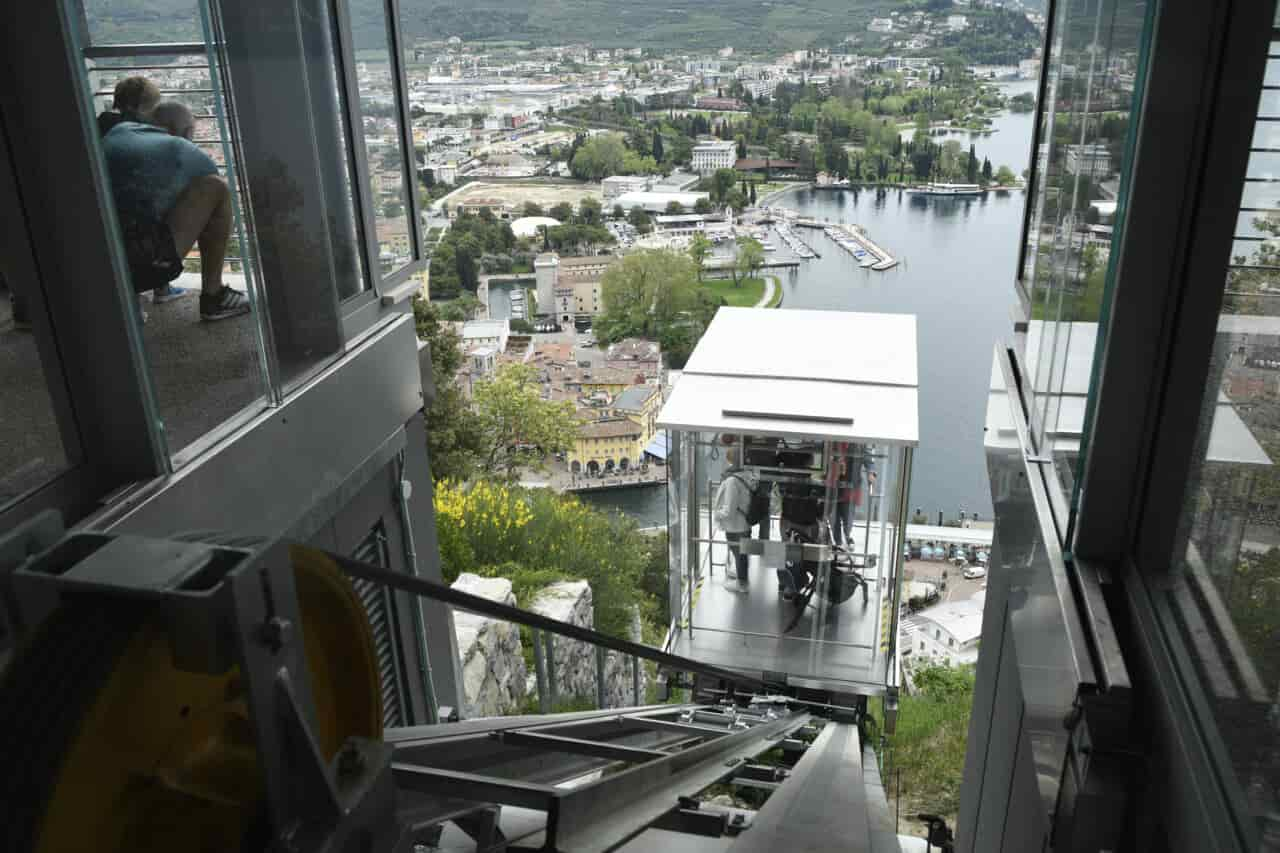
(485, 607)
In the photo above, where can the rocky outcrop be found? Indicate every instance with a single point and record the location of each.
(493, 670)
(574, 663)
(494, 676)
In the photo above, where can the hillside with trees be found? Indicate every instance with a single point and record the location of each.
(678, 25)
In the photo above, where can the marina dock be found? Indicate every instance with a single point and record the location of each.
(855, 241)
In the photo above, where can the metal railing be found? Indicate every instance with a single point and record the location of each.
(219, 145)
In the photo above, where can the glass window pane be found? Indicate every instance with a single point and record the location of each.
(33, 448)
(173, 181)
(1077, 203)
(1225, 591)
(258, 204)
(383, 137)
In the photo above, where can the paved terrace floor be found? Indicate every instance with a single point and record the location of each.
(203, 373)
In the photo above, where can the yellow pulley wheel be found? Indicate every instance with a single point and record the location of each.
(107, 746)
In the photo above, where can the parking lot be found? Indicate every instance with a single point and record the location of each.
(931, 571)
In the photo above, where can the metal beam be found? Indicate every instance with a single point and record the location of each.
(508, 613)
(578, 746)
(471, 786)
(668, 726)
(617, 807)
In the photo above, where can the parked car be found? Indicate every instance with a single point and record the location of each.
(974, 572)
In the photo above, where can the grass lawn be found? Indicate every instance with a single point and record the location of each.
(929, 745)
(746, 294)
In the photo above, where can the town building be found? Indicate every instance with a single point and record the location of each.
(880, 25)
(570, 288)
(956, 23)
(617, 185)
(604, 446)
(688, 224)
(724, 104)
(657, 201)
(1091, 160)
(947, 633)
(713, 154)
(485, 333)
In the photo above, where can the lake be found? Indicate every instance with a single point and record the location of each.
(958, 258)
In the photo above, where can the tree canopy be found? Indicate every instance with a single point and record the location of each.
(518, 428)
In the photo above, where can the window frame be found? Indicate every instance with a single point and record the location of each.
(363, 310)
(1204, 73)
(91, 337)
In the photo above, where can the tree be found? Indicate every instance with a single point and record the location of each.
(518, 428)
(453, 436)
(562, 212)
(675, 208)
(1005, 176)
(599, 157)
(619, 212)
(971, 167)
(742, 146)
(659, 151)
(646, 292)
(468, 250)
(753, 195)
(986, 170)
(591, 211)
(699, 250)
(531, 208)
(722, 181)
(749, 260)
(639, 219)
(702, 206)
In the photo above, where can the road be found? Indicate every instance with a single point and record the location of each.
(958, 589)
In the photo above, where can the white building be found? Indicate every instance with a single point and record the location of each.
(689, 224)
(881, 25)
(622, 184)
(956, 23)
(656, 202)
(1092, 160)
(945, 633)
(477, 334)
(714, 154)
(546, 271)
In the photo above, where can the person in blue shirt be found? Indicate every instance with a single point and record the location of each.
(170, 198)
(135, 99)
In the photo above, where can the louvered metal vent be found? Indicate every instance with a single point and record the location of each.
(382, 618)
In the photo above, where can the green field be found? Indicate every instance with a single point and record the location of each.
(746, 294)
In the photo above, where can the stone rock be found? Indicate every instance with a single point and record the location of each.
(575, 662)
(493, 670)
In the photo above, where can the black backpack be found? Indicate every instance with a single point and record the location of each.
(758, 508)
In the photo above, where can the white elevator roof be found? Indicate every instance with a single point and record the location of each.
(832, 374)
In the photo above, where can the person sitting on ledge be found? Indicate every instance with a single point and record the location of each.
(170, 198)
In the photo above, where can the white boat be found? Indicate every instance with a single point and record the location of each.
(948, 189)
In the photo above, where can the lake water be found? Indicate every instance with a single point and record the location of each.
(957, 263)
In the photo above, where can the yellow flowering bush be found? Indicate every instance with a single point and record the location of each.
(535, 536)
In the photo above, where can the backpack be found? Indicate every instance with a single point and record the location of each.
(758, 508)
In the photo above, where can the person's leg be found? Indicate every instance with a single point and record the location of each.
(202, 215)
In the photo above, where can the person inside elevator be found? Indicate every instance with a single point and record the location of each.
(741, 502)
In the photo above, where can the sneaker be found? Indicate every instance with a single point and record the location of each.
(170, 293)
(223, 304)
(734, 585)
